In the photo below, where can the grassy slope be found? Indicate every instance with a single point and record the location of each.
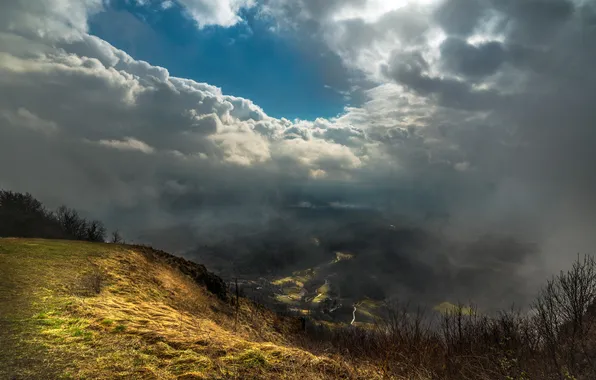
(147, 321)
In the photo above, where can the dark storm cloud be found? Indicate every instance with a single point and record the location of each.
(533, 21)
(472, 61)
(511, 109)
(409, 69)
(541, 94)
(459, 17)
(530, 21)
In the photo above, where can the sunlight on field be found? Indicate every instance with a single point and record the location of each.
(146, 320)
(340, 256)
(449, 308)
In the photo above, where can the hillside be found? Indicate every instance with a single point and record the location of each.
(84, 310)
(105, 311)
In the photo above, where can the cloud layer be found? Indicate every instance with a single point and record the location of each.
(481, 110)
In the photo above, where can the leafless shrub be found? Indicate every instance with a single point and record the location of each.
(565, 318)
(92, 282)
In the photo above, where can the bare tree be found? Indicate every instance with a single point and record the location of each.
(95, 231)
(72, 223)
(562, 315)
(116, 238)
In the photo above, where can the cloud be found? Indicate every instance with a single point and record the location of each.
(102, 106)
(127, 144)
(487, 94)
(54, 19)
(479, 110)
(216, 12)
(167, 4)
(469, 60)
(205, 13)
(460, 17)
(23, 118)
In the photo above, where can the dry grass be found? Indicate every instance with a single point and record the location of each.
(106, 311)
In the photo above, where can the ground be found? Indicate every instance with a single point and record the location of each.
(106, 311)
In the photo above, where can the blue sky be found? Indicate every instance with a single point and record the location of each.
(287, 77)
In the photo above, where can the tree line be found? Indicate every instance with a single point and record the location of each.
(21, 215)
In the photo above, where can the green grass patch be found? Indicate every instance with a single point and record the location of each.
(189, 361)
(322, 294)
(250, 359)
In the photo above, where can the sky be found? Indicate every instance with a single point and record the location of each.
(247, 59)
(151, 113)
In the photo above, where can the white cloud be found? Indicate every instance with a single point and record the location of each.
(364, 33)
(216, 12)
(322, 158)
(167, 4)
(128, 143)
(373, 10)
(24, 118)
(51, 19)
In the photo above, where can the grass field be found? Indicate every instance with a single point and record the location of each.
(105, 311)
